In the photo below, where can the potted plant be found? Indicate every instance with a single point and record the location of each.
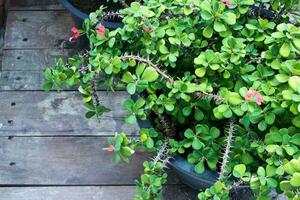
(219, 82)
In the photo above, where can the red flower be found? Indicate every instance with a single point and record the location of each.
(101, 30)
(75, 35)
(110, 148)
(249, 95)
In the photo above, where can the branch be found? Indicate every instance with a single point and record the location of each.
(162, 154)
(211, 97)
(147, 61)
(111, 15)
(96, 100)
(227, 150)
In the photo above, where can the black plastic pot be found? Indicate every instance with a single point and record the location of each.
(79, 16)
(187, 175)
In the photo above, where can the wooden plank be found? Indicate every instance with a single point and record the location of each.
(34, 5)
(37, 29)
(21, 80)
(24, 60)
(29, 80)
(40, 114)
(65, 161)
(171, 192)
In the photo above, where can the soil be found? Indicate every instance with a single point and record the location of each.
(88, 6)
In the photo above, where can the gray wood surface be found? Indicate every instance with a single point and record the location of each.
(40, 113)
(21, 80)
(24, 60)
(34, 5)
(65, 161)
(37, 29)
(171, 192)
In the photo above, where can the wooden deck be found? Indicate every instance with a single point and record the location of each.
(48, 150)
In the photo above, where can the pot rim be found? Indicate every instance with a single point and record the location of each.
(181, 164)
(82, 16)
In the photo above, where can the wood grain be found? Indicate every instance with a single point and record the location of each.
(34, 5)
(171, 192)
(37, 29)
(24, 60)
(65, 161)
(40, 114)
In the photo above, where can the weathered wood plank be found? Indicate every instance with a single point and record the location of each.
(21, 80)
(37, 29)
(171, 192)
(24, 60)
(40, 114)
(65, 161)
(29, 80)
(34, 5)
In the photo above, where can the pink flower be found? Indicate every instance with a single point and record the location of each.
(101, 30)
(75, 35)
(227, 3)
(250, 94)
(110, 148)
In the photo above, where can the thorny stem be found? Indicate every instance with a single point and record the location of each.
(96, 100)
(225, 157)
(164, 124)
(110, 15)
(211, 97)
(147, 61)
(162, 154)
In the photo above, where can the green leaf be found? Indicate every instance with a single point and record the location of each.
(131, 88)
(294, 83)
(197, 144)
(189, 133)
(90, 114)
(200, 72)
(285, 50)
(282, 78)
(295, 139)
(206, 15)
(235, 98)
(48, 86)
(229, 18)
(295, 180)
(128, 77)
(186, 111)
(296, 121)
(131, 119)
(150, 74)
(163, 49)
(239, 170)
(219, 27)
(199, 168)
(208, 31)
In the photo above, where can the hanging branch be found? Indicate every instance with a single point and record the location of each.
(225, 157)
(211, 97)
(148, 62)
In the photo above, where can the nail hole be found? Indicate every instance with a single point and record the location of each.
(18, 78)
(10, 121)
(13, 104)
(12, 163)
(25, 39)
(19, 57)
(24, 20)
(10, 137)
